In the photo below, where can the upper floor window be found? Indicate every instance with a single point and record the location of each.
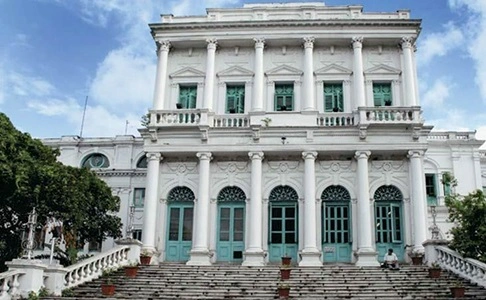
(284, 97)
(187, 96)
(382, 95)
(96, 160)
(333, 97)
(142, 162)
(431, 189)
(235, 99)
(138, 197)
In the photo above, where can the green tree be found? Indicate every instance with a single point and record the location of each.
(30, 176)
(469, 216)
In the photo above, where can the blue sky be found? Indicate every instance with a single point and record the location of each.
(54, 53)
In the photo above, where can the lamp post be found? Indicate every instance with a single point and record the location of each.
(29, 244)
(131, 216)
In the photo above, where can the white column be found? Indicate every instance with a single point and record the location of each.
(254, 255)
(151, 197)
(161, 75)
(200, 250)
(257, 101)
(408, 72)
(310, 254)
(418, 200)
(366, 252)
(209, 80)
(309, 99)
(359, 91)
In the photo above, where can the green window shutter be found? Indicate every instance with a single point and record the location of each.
(284, 96)
(235, 99)
(431, 189)
(333, 98)
(188, 96)
(382, 94)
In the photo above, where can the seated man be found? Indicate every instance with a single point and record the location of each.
(390, 260)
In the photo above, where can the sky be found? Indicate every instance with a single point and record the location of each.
(56, 53)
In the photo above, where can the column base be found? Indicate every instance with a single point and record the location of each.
(254, 259)
(367, 258)
(310, 258)
(199, 258)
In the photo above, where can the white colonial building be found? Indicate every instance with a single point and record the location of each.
(283, 129)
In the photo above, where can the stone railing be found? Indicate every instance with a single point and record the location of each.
(335, 119)
(92, 268)
(468, 268)
(180, 117)
(9, 284)
(389, 115)
(233, 120)
(451, 135)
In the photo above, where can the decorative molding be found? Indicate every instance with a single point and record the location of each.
(163, 45)
(284, 70)
(204, 155)
(383, 69)
(256, 155)
(309, 42)
(357, 42)
(259, 42)
(309, 155)
(362, 154)
(233, 167)
(212, 43)
(407, 42)
(283, 167)
(121, 173)
(333, 69)
(415, 154)
(154, 156)
(188, 72)
(363, 132)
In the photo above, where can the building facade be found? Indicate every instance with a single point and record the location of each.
(283, 129)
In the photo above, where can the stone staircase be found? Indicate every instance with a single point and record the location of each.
(178, 281)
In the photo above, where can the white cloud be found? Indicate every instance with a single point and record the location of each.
(437, 95)
(29, 86)
(433, 45)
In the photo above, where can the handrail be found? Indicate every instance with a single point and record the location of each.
(9, 287)
(92, 268)
(472, 269)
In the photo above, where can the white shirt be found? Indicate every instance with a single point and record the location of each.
(390, 257)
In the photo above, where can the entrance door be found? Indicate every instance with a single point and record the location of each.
(283, 227)
(180, 224)
(231, 224)
(336, 224)
(388, 223)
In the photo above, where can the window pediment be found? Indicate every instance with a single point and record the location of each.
(235, 72)
(284, 70)
(382, 70)
(333, 69)
(187, 73)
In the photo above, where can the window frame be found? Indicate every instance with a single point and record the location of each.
(335, 102)
(285, 96)
(432, 198)
(385, 102)
(187, 103)
(135, 203)
(240, 99)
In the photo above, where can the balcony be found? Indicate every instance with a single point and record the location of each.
(363, 116)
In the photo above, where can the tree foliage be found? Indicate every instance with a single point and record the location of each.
(469, 216)
(30, 176)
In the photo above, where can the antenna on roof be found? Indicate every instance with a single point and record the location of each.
(84, 114)
(126, 127)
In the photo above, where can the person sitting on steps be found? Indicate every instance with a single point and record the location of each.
(390, 260)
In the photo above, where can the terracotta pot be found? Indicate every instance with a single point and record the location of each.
(286, 260)
(131, 271)
(434, 273)
(417, 260)
(283, 292)
(285, 273)
(107, 289)
(145, 260)
(457, 291)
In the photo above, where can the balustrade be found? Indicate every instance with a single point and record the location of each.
(467, 268)
(9, 282)
(333, 119)
(390, 114)
(231, 121)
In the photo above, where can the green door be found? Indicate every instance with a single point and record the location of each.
(283, 227)
(231, 224)
(180, 224)
(388, 221)
(336, 224)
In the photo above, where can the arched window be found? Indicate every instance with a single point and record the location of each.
(142, 162)
(335, 193)
(231, 193)
(388, 193)
(283, 193)
(181, 194)
(95, 161)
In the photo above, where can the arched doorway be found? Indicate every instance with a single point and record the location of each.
(180, 220)
(388, 220)
(336, 224)
(283, 227)
(231, 224)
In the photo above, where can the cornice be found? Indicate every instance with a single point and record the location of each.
(121, 173)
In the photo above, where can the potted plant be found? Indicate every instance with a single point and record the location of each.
(107, 285)
(457, 290)
(417, 257)
(283, 290)
(285, 272)
(286, 260)
(131, 269)
(435, 270)
(145, 257)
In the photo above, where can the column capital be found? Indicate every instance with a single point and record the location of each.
(415, 154)
(259, 42)
(204, 155)
(163, 45)
(309, 155)
(212, 43)
(362, 154)
(407, 42)
(309, 42)
(357, 42)
(255, 155)
(154, 156)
